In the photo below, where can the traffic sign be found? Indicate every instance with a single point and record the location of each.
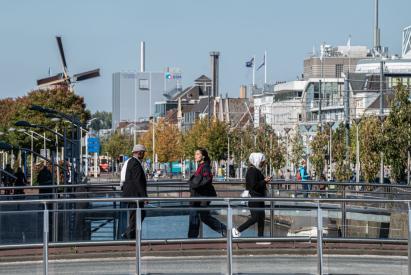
(93, 144)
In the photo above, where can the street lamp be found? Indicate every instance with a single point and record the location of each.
(287, 131)
(8, 147)
(76, 123)
(27, 124)
(331, 124)
(357, 150)
(32, 149)
(382, 118)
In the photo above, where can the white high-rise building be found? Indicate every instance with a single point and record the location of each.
(134, 94)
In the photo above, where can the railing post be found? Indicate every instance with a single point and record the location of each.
(138, 239)
(319, 240)
(271, 212)
(229, 239)
(344, 214)
(45, 240)
(409, 238)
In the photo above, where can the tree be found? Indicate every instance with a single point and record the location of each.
(102, 120)
(60, 99)
(370, 146)
(397, 133)
(276, 155)
(217, 140)
(342, 170)
(319, 151)
(117, 144)
(297, 149)
(212, 137)
(168, 142)
(196, 137)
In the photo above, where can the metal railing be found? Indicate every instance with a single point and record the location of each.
(229, 203)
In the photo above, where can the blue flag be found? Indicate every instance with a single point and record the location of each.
(262, 64)
(249, 64)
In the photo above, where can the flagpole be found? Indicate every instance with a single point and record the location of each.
(265, 67)
(253, 70)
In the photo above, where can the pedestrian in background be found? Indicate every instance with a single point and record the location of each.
(43, 179)
(304, 177)
(20, 181)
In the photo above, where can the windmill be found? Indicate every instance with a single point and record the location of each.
(64, 79)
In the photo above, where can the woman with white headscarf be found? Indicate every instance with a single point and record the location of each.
(256, 186)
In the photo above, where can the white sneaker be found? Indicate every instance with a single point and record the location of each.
(235, 233)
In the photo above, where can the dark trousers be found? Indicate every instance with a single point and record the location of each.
(307, 188)
(198, 216)
(131, 229)
(257, 216)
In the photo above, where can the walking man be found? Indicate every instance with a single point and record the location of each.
(135, 185)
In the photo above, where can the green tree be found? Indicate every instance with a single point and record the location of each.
(117, 144)
(102, 120)
(60, 99)
(195, 138)
(342, 170)
(319, 150)
(370, 147)
(297, 148)
(397, 133)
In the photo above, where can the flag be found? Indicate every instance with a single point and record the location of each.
(262, 64)
(349, 42)
(250, 64)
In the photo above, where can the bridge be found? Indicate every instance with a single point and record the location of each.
(340, 228)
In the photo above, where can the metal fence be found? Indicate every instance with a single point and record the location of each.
(320, 205)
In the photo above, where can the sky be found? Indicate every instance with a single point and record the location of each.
(106, 34)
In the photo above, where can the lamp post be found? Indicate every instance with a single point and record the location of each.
(331, 124)
(76, 128)
(32, 149)
(287, 131)
(357, 150)
(29, 125)
(382, 119)
(308, 128)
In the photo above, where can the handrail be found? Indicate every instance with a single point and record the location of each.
(206, 240)
(185, 183)
(197, 199)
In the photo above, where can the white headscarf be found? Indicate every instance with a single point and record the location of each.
(256, 159)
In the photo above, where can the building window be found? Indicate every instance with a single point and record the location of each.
(143, 84)
(338, 70)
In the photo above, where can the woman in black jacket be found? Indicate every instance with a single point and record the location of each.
(256, 186)
(201, 185)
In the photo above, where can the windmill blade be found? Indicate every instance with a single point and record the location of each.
(61, 50)
(86, 75)
(58, 78)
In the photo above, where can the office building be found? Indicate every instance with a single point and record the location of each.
(134, 94)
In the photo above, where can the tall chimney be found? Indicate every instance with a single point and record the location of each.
(377, 45)
(142, 56)
(215, 56)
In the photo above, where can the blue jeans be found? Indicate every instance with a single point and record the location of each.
(306, 188)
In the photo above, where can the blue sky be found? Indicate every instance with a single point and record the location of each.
(180, 33)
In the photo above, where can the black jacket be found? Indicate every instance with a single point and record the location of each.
(201, 183)
(44, 178)
(135, 184)
(255, 182)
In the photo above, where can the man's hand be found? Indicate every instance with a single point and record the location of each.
(268, 179)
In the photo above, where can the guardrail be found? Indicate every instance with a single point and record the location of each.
(229, 203)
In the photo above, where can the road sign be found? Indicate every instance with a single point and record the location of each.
(93, 145)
